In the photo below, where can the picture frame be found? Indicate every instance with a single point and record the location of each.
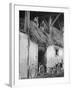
(14, 79)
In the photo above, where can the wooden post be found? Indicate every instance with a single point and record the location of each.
(27, 21)
(26, 29)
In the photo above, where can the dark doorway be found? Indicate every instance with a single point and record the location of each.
(41, 60)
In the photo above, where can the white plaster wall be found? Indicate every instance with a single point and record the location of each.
(51, 56)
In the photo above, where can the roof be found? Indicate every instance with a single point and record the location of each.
(43, 38)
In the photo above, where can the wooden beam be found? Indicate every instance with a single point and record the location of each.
(55, 19)
(26, 29)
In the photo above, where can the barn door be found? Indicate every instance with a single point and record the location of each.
(28, 58)
(28, 63)
(23, 55)
(33, 60)
(24, 48)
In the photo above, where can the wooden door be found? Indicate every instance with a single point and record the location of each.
(28, 52)
(23, 55)
(33, 60)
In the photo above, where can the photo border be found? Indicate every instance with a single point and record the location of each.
(14, 52)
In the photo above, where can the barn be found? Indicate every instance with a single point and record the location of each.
(41, 44)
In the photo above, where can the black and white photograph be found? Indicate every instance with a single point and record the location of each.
(41, 44)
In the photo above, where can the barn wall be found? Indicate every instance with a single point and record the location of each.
(33, 59)
(23, 55)
(52, 58)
